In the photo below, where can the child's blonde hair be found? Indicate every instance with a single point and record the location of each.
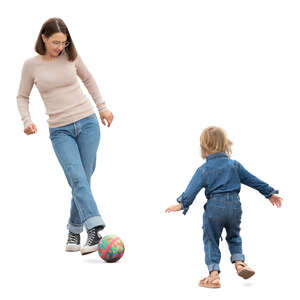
(213, 139)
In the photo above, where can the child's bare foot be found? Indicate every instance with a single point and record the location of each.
(211, 281)
(243, 270)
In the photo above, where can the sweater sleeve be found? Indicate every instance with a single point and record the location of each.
(24, 91)
(90, 83)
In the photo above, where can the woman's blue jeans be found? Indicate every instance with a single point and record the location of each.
(222, 211)
(75, 146)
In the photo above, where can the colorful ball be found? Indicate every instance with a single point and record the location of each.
(111, 248)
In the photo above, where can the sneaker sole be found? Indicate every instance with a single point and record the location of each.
(72, 248)
(89, 249)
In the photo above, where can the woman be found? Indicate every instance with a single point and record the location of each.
(73, 125)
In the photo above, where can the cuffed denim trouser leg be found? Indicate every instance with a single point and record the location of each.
(212, 231)
(233, 237)
(75, 146)
(222, 210)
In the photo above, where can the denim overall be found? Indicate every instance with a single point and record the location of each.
(221, 177)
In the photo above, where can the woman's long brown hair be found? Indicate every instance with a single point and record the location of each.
(51, 26)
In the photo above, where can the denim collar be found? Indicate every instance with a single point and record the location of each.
(216, 154)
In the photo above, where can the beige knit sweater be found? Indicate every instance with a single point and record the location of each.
(58, 85)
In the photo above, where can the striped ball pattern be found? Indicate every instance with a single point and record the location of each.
(111, 248)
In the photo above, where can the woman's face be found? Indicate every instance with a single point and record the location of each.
(55, 43)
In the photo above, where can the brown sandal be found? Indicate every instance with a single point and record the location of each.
(245, 272)
(210, 282)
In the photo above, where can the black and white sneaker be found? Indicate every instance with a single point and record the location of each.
(73, 243)
(93, 240)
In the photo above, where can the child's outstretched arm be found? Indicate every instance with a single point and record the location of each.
(188, 197)
(250, 180)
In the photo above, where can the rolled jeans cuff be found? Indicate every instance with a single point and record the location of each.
(214, 267)
(93, 222)
(75, 228)
(237, 256)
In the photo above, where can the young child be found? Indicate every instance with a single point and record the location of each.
(221, 177)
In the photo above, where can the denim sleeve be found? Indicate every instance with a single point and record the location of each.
(250, 180)
(193, 188)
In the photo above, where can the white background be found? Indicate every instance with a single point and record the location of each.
(167, 70)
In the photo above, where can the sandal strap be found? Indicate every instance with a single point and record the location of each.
(241, 264)
(210, 279)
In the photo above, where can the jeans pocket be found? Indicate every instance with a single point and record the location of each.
(51, 130)
(93, 116)
(215, 212)
(56, 132)
(91, 120)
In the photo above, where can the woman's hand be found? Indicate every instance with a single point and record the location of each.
(276, 200)
(174, 208)
(106, 115)
(30, 129)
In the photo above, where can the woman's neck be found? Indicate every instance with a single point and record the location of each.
(48, 57)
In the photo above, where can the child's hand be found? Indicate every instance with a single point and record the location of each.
(174, 208)
(276, 200)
